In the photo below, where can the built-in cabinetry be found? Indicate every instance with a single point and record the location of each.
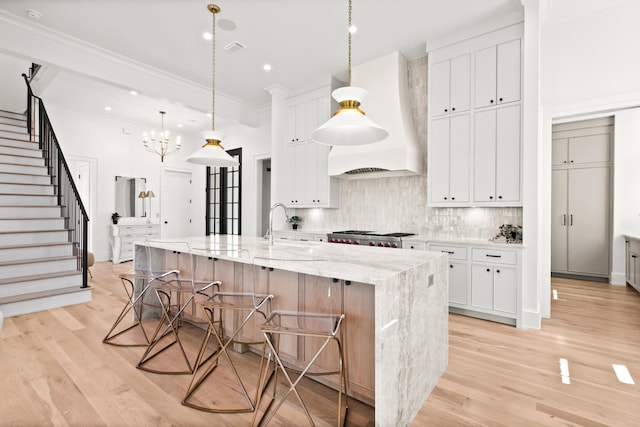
(300, 236)
(123, 236)
(633, 262)
(475, 115)
(484, 280)
(581, 198)
(306, 178)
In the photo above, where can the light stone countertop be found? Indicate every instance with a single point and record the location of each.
(631, 236)
(463, 241)
(346, 262)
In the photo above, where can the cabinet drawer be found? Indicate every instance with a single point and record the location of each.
(454, 252)
(414, 245)
(494, 256)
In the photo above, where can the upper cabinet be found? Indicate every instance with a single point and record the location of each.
(451, 85)
(475, 117)
(497, 74)
(307, 181)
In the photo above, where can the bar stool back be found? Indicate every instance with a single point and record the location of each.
(229, 311)
(175, 297)
(319, 324)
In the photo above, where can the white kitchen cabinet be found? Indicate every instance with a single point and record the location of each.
(450, 85)
(123, 236)
(494, 284)
(449, 159)
(307, 181)
(458, 272)
(497, 74)
(497, 156)
(581, 150)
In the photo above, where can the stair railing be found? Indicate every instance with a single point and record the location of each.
(73, 211)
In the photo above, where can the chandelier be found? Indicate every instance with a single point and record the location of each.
(349, 125)
(212, 153)
(160, 144)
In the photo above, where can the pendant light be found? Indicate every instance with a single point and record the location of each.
(349, 125)
(212, 153)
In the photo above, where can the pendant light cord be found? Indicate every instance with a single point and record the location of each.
(349, 43)
(213, 72)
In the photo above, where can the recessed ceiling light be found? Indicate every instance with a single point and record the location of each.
(107, 108)
(179, 125)
(133, 92)
(207, 35)
(266, 67)
(353, 29)
(33, 14)
(208, 114)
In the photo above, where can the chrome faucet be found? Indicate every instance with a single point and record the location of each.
(270, 231)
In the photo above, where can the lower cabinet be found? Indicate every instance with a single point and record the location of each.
(123, 236)
(633, 263)
(484, 281)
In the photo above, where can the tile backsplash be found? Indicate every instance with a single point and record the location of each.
(400, 203)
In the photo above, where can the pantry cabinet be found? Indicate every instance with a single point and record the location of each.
(581, 198)
(307, 182)
(483, 135)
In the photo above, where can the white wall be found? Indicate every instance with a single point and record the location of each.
(589, 63)
(119, 153)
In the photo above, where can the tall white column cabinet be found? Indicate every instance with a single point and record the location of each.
(581, 198)
(475, 116)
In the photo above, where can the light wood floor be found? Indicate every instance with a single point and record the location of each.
(55, 369)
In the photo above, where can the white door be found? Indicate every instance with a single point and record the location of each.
(559, 220)
(177, 208)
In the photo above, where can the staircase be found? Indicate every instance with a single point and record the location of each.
(39, 264)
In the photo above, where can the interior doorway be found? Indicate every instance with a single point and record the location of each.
(83, 171)
(176, 211)
(581, 203)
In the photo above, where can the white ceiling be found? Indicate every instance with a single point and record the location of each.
(303, 40)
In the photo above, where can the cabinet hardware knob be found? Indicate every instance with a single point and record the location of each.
(445, 198)
(499, 197)
(500, 99)
(571, 161)
(445, 110)
(488, 270)
(564, 161)
(491, 101)
(490, 197)
(451, 266)
(453, 109)
(494, 256)
(497, 271)
(453, 198)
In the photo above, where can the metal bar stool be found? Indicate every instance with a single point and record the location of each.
(147, 276)
(242, 305)
(175, 296)
(320, 326)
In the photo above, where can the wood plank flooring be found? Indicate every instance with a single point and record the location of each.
(56, 371)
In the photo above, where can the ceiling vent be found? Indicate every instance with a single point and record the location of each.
(234, 47)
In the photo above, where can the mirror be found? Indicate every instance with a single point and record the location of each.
(128, 204)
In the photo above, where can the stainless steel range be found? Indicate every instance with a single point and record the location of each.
(368, 238)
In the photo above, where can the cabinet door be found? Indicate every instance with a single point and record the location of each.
(294, 170)
(484, 164)
(588, 208)
(504, 289)
(439, 160)
(508, 72)
(458, 283)
(460, 84)
(635, 282)
(485, 77)
(482, 286)
(589, 149)
(440, 84)
(559, 220)
(459, 159)
(508, 154)
(295, 123)
(559, 151)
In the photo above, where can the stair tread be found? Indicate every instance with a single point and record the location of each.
(26, 183)
(39, 276)
(20, 164)
(35, 245)
(35, 231)
(43, 294)
(22, 173)
(36, 260)
(23, 194)
(32, 219)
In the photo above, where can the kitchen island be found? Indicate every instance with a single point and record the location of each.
(395, 302)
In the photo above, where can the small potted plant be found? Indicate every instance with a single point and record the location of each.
(294, 221)
(115, 217)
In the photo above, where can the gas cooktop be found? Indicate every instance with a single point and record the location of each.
(370, 238)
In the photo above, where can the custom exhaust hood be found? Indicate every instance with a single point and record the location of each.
(387, 103)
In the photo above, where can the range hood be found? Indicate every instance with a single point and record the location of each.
(387, 104)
